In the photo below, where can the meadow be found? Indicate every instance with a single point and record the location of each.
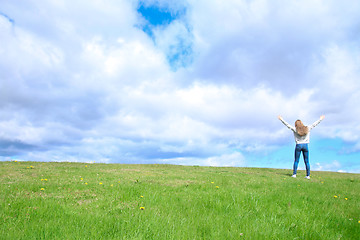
(115, 201)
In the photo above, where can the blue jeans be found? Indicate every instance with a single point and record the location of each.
(305, 150)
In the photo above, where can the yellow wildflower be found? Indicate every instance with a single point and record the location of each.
(359, 221)
(346, 198)
(85, 165)
(217, 186)
(212, 182)
(86, 183)
(81, 179)
(335, 196)
(111, 185)
(100, 183)
(42, 189)
(142, 208)
(141, 196)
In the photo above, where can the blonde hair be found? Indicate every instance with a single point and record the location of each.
(301, 129)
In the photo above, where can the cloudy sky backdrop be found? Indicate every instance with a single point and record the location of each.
(189, 82)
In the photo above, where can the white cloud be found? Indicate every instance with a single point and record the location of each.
(246, 42)
(235, 159)
(333, 166)
(83, 77)
(175, 40)
(229, 160)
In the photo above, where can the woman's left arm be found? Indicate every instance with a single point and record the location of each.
(286, 124)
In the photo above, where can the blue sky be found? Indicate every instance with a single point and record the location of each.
(180, 82)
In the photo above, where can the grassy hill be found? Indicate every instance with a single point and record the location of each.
(115, 201)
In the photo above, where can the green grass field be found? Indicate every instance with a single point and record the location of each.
(115, 201)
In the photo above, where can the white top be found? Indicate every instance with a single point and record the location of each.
(301, 139)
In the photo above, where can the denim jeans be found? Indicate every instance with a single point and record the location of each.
(305, 150)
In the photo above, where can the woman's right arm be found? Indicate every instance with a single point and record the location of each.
(317, 122)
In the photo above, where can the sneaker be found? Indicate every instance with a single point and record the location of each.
(307, 177)
(294, 176)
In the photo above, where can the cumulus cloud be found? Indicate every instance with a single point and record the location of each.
(271, 43)
(334, 166)
(85, 81)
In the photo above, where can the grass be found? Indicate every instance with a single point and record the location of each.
(115, 201)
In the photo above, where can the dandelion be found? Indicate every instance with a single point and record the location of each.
(42, 179)
(85, 165)
(86, 183)
(100, 183)
(346, 198)
(42, 189)
(81, 179)
(45, 179)
(142, 208)
(111, 185)
(141, 196)
(359, 221)
(217, 187)
(212, 182)
(335, 196)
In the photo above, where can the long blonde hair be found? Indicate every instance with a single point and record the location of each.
(301, 129)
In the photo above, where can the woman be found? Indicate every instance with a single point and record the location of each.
(302, 139)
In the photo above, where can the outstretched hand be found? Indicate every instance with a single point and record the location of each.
(322, 117)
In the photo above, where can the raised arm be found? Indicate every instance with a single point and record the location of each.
(286, 124)
(317, 122)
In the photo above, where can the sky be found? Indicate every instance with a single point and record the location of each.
(188, 82)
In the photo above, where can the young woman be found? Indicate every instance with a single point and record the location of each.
(302, 139)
